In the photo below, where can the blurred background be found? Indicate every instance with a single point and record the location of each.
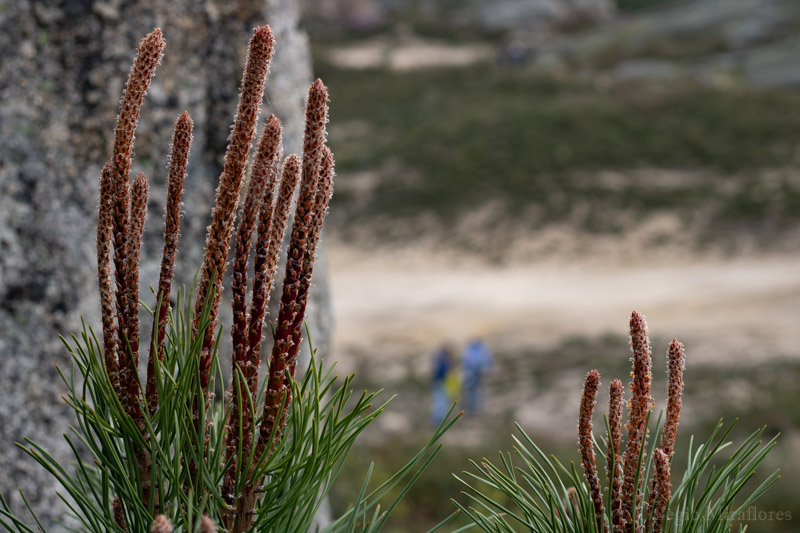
(527, 172)
(514, 178)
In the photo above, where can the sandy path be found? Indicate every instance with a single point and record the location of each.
(408, 54)
(737, 310)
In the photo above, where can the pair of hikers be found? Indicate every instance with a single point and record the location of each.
(448, 385)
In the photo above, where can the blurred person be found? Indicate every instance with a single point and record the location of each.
(442, 384)
(476, 361)
(452, 383)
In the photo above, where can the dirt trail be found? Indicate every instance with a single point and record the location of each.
(408, 53)
(734, 310)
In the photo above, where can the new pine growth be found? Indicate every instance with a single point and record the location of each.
(629, 513)
(264, 217)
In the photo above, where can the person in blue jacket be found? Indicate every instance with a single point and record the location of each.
(476, 362)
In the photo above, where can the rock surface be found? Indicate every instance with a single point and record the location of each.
(491, 15)
(754, 42)
(61, 77)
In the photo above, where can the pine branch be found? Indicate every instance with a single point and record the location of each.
(148, 57)
(277, 390)
(640, 405)
(282, 396)
(105, 235)
(315, 133)
(240, 419)
(675, 366)
(586, 442)
(179, 158)
(614, 453)
(220, 231)
(259, 195)
(322, 199)
(676, 363)
(129, 358)
(661, 490)
(271, 227)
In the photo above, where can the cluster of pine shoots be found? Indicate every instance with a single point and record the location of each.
(250, 435)
(625, 469)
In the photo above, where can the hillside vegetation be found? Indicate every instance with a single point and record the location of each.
(545, 150)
